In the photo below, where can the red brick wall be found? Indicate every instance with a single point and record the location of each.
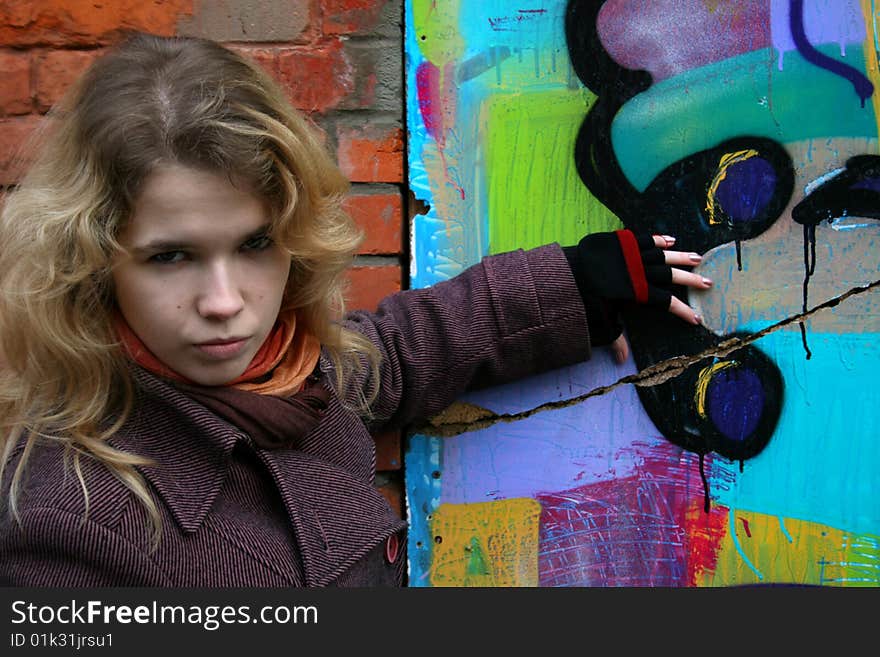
(341, 62)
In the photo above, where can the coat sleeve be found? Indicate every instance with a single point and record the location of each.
(54, 548)
(512, 315)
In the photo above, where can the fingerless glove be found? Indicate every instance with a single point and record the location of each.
(615, 268)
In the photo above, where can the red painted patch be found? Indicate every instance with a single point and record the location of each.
(428, 93)
(705, 533)
(648, 529)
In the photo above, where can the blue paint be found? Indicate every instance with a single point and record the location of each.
(735, 398)
(746, 189)
(422, 465)
(822, 463)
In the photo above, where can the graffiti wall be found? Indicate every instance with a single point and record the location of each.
(744, 451)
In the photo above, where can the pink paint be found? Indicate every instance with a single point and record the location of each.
(436, 94)
(647, 529)
(428, 94)
(668, 38)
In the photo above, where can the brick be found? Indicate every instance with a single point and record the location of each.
(394, 493)
(373, 153)
(317, 79)
(56, 70)
(388, 451)
(362, 17)
(15, 91)
(266, 58)
(378, 79)
(370, 284)
(14, 132)
(75, 22)
(381, 217)
(247, 20)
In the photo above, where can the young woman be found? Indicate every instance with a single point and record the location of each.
(183, 400)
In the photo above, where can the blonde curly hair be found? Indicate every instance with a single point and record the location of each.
(150, 100)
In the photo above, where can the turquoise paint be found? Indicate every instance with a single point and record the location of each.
(688, 113)
(821, 464)
(784, 530)
(422, 460)
(523, 25)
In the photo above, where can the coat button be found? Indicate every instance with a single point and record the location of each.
(392, 547)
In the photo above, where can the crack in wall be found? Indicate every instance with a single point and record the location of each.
(462, 417)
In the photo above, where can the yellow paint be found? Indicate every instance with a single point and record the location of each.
(785, 550)
(703, 379)
(727, 160)
(486, 544)
(436, 28)
(871, 56)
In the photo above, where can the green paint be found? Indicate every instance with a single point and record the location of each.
(747, 95)
(534, 193)
(477, 565)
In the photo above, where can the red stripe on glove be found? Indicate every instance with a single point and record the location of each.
(633, 257)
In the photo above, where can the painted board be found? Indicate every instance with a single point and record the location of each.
(745, 451)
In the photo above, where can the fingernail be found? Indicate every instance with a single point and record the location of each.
(697, 319)
(694, 257)
(707, 281)
(669, 239)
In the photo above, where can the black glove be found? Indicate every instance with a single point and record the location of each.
(612, 269)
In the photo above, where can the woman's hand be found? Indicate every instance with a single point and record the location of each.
(682, 277)
(620, 267)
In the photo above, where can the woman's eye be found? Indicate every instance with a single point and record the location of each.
(258, 243)
(168, 257)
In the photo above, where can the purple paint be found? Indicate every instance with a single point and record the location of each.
(598, 439)
(862, 85)
(668, 38)
(734, 399)
(871, 184)
(839, 22)
(746, 189)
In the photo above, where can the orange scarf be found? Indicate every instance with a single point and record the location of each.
(289, 355)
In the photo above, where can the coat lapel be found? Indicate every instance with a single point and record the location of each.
(338, 518)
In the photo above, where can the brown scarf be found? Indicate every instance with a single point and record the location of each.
(271, 422)
(277, 400)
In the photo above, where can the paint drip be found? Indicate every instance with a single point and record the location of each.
(705, 482)
(809, 270)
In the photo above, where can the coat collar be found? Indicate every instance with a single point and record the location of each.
(192, 449)
(189, 445)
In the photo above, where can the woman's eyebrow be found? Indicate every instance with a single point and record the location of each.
(180, 244)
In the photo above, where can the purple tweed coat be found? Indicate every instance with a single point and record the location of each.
(234, 514)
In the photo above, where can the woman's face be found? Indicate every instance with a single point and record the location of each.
(199, 281)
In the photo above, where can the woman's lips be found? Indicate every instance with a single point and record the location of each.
(222, 349)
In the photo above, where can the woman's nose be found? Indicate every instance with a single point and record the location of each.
(220, 296)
